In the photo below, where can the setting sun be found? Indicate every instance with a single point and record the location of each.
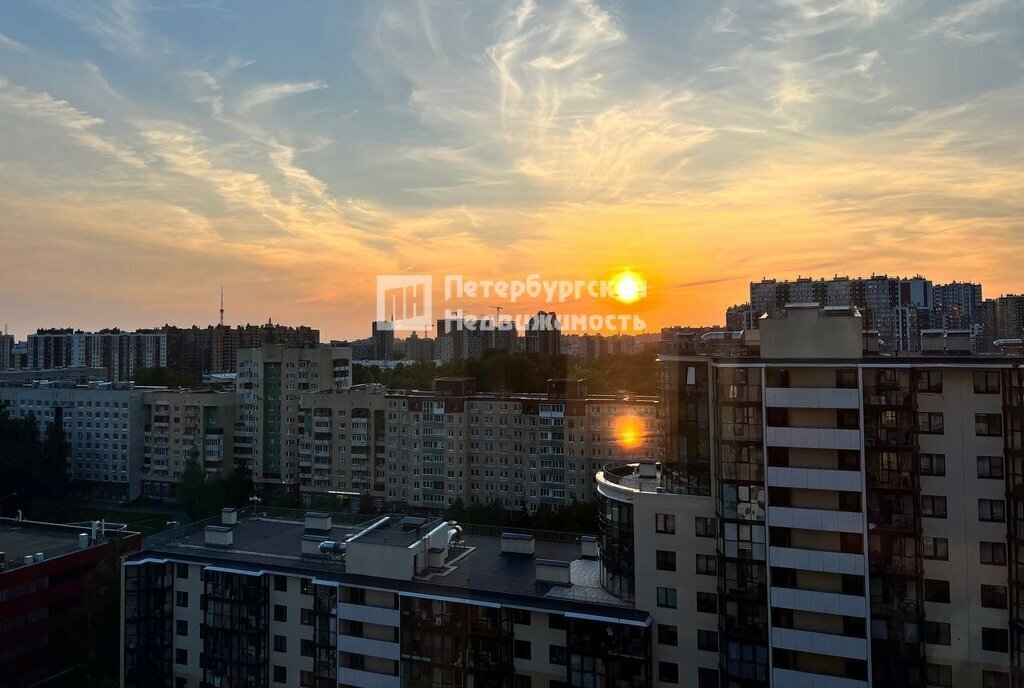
(629, 431)
(629, 287)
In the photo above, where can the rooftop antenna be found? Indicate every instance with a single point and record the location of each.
(222, 306)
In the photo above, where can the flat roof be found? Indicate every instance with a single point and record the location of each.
(21, 538)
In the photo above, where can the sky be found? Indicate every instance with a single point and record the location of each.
(152, 151)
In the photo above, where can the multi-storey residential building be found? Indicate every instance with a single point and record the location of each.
(429, 449)
(121, 353)
(193, 351)
(419, 348)
(862, 523)
(458, 339)
(6, 352)
(544, 334)
(76, 375)
(1002, 319)
(270, 599)
(383, 336)
(43, 569)
(269, 383)
(957, 305)
(182, 426)
(738, 318)
(103, 424)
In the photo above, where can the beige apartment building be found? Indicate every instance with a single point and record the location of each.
(427, 449)
(183, 426)
(860, 506)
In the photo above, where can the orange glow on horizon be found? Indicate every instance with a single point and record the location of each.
(629, 431)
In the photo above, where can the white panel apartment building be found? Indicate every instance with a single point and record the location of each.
(103, 424)
(121, 353)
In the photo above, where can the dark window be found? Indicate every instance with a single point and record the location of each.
(846, 378)
(993, 553)
(936, 590)
(181, 598)
(280, 612)
(181, 627)
(995, 679)
(936, 632)
(986, 382)
(929, 380)
(668, 635)
(521, 617)
(933, 464)
(707, 602)
(935, 548)
(988, 424)
(939, 675)
(181, 656)
(521, 649)
(665, 560)
(307, 679)
(665, 523)
(306, 617)
(280, 674)
(990, 467)
(707, 678)
(556, 621)
(281, 583)
(556, 654)
(847, 419)
(667, 597)
(181, 570)
(304, 586)
(995, 639)
(993, 596)
(668, 672)
(522, 681)
(306, 648)
(706, 527)
(707, 564)
(992, 510)
(280, 643)
(707, 640)
(180, 682)
(933, 507)
(929, 423)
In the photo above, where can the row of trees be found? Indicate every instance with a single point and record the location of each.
(498, 371)
(33, 469)
(575, 517)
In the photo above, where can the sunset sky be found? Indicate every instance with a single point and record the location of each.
(153, 150)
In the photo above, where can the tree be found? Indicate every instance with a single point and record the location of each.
(34, 468)
(200, 496)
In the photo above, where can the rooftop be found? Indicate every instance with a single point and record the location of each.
(19, 539)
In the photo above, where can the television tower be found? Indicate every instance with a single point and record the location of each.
(222, 306)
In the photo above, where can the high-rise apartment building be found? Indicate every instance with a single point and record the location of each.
(121, 353)
(458, 339)
(6, 351)
(429, 449)
(103, 424)
(383, 340)
(863, 505)
(958, 305)
(544, 334)
(183, 426)
(273, 599)
(418, 348)
(270, 382)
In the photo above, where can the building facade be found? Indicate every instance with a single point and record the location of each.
(121, 353)
(544, 334)
(6, 352)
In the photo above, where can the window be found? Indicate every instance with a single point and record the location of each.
(556, 654)
(936, 591)
(306, 648)
(280, 612)
(521, 617)
(181, 598)
(939, 675)
(668, 672)
(181, 570)
(995, 679)
(180, 682)
(280, 674)
(521, 649)
(936, 633)
(181, 656)
(707, 678)
(933, 507)
(706, 527)
(665, 523)
(935, 548)
(707, 564)
(993, 553)
(929, 423)
(990, 467)
(993, 596)
(280, 643)
(986, 382)
(995, 639)
(667, 597)
(306, 617)
(307, 679)
(707, 640)
(929, 380)
(523, 681)
(847, 419)
(668, 635)
(992, 510)
(281, 583)
(988, 425)
(181, 627)
(933, 464)
(707, 602)
(665, 560)
(304, 586)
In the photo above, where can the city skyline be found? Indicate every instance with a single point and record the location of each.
(151, 153)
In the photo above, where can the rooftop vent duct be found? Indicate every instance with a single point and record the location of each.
(588, 546)
(228, 517)
(517, 543)
(83, 540)
(38, 556)
(219, 536)
(553, 571)
(318, 522)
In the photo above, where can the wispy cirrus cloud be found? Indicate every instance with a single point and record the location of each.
(270, 93)
(115, 25)
(966, 23)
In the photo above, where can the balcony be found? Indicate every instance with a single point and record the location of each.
(814, 479)
(803, 679)
(819, 602)
(817, 560)
(820, 643)
(376, 615)
(370, 647)
(812, 397)
(367, 679)
(813, 438)
(816, 519)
